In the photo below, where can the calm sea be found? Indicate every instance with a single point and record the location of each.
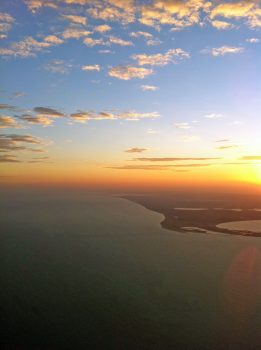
(85, 271)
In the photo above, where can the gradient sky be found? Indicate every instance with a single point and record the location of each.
(122, 92)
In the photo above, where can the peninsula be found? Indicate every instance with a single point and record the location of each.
(204, 213)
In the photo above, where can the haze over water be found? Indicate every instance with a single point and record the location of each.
(81, 270)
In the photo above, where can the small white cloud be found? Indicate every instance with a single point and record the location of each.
(94, 67)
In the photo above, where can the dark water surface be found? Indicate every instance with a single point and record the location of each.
(85, 271)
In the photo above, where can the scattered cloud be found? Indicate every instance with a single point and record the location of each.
(29, 47)
(141, 34)
(94, 67)
(149, 88)
(7, 122)
(75, 19)
(93, 42)
(129, 72)
(136, 150)
(118, 41)
(58, 66)
(159, 59)
(50, 112)
(253, 40)
(6, 22)
(223, 50)
(175, 159)
(53, 39)
(84, 116)
(250, 158)
(158, 167)
(222, 25)
(102, 28)
(227, 147)
(44, 121)
(75, 33)
(7, 107)
(8, 158)
(213, 116)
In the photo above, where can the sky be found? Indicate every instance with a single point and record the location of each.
(130, 93)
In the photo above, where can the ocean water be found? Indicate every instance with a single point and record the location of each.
(86, 271)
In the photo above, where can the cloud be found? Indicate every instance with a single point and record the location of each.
(18, 94)
(129, 72)
(7, 122)
(44, 121)
(93, 42)
(75, 19)
(141, 34)
(75, 33)
(50, 112)
(53, 39)
(6, 22)
(136, 150)
(227, 147)
(39, 160)
(223, 50)
(94, 67)
(102, 28)
(230, 10)
(7, 106)
(113, 11)
(118, 41)
(20, 138)
(57, 66)
(158, 167)
(248, 10)
(172, 55)
(182, 125)
(83, 116)
(149, 88)
(34, 5)
(253, 40)
(178, 14)
(250, 158)
(222, 25)
(213, 116)
(28, 47)
(7, 158)
(174, 159)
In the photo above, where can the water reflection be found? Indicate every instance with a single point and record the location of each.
(241, 295)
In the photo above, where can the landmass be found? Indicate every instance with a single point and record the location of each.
(199, 212)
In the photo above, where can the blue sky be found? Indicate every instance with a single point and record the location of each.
(161, 78)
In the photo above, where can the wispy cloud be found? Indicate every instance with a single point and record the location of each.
(161, 59)
(58, 66)
(93, 67)
(175, 159)
(75, 19)
(50, 112)
(7, 122)
(136, 150)
(250, 158)
(84, 116)
(149, 88)
(223, 50)
(129, 72)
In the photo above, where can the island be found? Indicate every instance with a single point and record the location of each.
(202, 212)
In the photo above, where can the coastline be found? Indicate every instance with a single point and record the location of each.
(189, 222)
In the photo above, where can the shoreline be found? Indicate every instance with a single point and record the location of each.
(192, 223)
